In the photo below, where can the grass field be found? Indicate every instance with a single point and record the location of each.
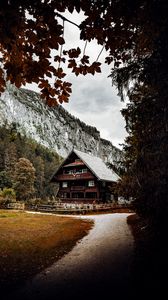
(31, 242)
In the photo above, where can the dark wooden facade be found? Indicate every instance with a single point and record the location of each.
(78, 183)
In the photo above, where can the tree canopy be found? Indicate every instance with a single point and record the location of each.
(30, 30)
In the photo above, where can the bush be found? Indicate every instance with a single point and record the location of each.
(8, 195)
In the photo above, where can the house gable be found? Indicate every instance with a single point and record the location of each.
(95, 164)
(73, 161)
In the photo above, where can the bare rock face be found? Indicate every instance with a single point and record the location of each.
(54, 128)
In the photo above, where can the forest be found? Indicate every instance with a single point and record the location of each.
(25, 167)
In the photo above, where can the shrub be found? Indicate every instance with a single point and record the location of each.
(8, 194)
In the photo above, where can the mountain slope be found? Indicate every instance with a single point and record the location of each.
(54, 128)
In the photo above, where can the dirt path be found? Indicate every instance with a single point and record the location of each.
(98, 265)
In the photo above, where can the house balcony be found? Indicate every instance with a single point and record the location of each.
(77, 188)
(66, 177)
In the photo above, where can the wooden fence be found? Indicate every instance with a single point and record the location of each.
(77, 208)
(15, 205)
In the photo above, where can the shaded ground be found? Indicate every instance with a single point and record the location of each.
(29, 243)
(150, 259)
(99, 265)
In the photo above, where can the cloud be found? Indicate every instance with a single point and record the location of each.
(93, 99)
(95, 102)
(108, 120)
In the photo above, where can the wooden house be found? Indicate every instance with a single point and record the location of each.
(84, 178)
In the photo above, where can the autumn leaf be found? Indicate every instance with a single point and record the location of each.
(57, 58)
(108, 60)
(72, 63)
(59, 73)
(74, 53)
(43, 84)
(85, 60)
(48, 74)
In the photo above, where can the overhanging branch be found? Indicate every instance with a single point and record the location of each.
(65, 19)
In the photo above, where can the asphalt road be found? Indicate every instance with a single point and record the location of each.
(97, 267)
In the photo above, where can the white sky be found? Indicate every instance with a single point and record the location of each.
(93, 98)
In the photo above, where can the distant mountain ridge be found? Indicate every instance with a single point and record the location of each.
(55, 128)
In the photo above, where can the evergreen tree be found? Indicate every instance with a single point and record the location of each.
(147, 152)
(10, 159)
(2, 148)
(40, 179)
(24, 178)
(5, 180)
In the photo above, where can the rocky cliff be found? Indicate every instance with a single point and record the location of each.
(54, 128)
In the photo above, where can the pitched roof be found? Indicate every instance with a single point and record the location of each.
(97, 166)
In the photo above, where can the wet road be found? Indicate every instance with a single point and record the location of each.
(98, 266)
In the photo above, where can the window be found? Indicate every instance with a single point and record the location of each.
(64, 184)
(71, 171)
(91, 183)
(78, 171)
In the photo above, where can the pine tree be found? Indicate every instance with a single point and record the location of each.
(40, 179)
(5, 181)
(24, 178)
(10, 159)
(2, 147)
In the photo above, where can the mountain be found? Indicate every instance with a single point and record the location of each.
(54, 128)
